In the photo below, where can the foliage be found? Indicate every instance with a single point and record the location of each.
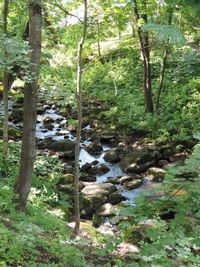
(40, 232)
(172, 236)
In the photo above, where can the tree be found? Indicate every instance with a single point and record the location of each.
(145, 51)
(24, 179)
(5, 88)
(79, 126)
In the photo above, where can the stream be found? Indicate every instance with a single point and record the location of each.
(60, 131)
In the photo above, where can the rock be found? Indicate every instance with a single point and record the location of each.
(87, 177)
(112, 180)
(94, 148)
(155, 174)
(69, 188)
(98, 169)
(124, 179)
(163, 163)
(107, 134)
(137, 161)
(19, 99)
(156, 155)
(139, 168)
(106, 210)
(93, 196)
(67, 169)
(48, 120)
(66, 179)
(86, 229)
(67, 155)
(17, 115)
(40, 110)
(13, 133)
(103, 189)
(127, 178)
(133, 184)
(115, 198)
(127, 248)
(49, 126)
(63, 146)
(112, 156)
(86, 167)
(66, 188)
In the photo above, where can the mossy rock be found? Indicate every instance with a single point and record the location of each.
(136, 157)
(63, 145)
(13, 133)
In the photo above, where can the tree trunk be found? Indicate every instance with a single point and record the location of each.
(98, 42)
(163, 68)
(79, 126)
(145, 51)
(5, 89)
(24, 179)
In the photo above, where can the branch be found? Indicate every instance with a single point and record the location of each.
(66, 12)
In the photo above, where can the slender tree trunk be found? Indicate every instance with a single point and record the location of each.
(145, 51)
(79, 126)
(98, 42)
(24, 180)
(5, 89)
(163, 68)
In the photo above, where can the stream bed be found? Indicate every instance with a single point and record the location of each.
(59, 131)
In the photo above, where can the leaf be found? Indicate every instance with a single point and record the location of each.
(166, 32)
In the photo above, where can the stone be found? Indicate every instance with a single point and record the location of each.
(67, 178)
(139, 168)
(111, 156)
(63, 145)
(106, 210)
(94, 148)
(98, 169)
(155, 174)
(126, 178)
(103, 189)
(112, 180)
(133, 184)
(17, 115)
(87, 177)
(107, 134)
(136, 161)
(115, 198)
(86, 167)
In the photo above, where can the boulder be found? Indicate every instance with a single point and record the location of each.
(86, 167)
(133, 184)
(115, 198)
(107, 134)
(155, 174)
(137, 161)
(102, 189)
(87, 177)
(98, 169)
(94, 148)
(67, 178)
(17, 115)
(93, 196)
(112, 156)
(139, 168)
(63, 146)
(106, 210)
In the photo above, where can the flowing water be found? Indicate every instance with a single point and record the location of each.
(59, 131)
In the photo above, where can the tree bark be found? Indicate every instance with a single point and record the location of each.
(79, 126)
(98, 42)
(5, 89)
(145, 51)
(163, 68)
(24, 179)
